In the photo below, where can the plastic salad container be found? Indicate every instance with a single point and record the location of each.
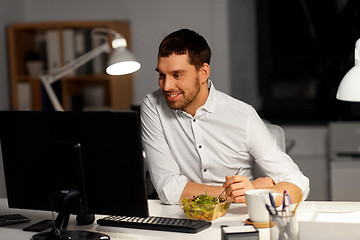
(204, 207)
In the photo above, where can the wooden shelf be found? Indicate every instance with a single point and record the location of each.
(24, 38)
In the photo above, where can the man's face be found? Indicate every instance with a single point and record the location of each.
(180, 82)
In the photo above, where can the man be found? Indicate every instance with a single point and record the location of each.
(194, 136)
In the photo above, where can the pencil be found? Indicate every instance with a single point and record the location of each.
(300, 199)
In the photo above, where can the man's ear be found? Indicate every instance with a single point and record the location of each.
(204, 72)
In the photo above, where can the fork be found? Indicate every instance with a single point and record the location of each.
(237, 172)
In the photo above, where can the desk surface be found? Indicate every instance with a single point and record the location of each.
(236, 216)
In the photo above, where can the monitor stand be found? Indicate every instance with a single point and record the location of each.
(62, 200)
(59, 230)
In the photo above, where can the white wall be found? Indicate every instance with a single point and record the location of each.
(151, 21)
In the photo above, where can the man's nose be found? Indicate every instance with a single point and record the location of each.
(169, 83)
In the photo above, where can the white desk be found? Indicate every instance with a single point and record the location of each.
(235, 217)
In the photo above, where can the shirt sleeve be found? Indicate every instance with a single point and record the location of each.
(271, 159)
(164, 171)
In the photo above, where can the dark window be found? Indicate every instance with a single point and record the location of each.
(305, 48)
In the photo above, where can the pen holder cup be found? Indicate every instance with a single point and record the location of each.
(285, 228)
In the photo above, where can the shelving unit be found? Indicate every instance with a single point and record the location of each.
(25, 38)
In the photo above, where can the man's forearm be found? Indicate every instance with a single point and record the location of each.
(194, 189)
(293, 190)
(263, 182)
(267, 183)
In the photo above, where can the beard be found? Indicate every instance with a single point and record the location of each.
(187, 97)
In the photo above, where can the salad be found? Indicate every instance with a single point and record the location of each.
(205, 207)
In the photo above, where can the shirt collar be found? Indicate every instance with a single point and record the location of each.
(211, 100)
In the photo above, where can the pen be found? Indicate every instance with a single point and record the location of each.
(237, 172)
(272, 201)
(270, 209)
(287, 205)
(283, 202)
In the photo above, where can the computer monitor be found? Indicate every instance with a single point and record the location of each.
(94, 159)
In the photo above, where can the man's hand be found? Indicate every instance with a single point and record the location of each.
(263, 182)
(236, 187)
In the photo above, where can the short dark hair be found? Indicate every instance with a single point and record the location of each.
(185, 41)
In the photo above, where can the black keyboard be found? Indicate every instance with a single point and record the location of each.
(12, 219)
(156, 223)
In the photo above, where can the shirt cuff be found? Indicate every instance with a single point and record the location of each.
(171, 193)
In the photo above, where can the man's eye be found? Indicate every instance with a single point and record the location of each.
(161, 76)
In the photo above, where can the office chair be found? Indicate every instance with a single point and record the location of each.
(278, 133)
(279, 136)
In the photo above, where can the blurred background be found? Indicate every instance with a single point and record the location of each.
(284, 57)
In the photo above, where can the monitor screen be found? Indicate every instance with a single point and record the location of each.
(97, 153)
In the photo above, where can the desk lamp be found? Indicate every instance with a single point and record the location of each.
(121, 61)
(349, 88)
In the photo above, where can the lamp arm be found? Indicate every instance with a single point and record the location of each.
(56, 74)
(50, 92)
(60, 72)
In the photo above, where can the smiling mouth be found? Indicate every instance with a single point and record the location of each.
(172, 96)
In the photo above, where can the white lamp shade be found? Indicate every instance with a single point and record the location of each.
(349, 88)
(121, 62)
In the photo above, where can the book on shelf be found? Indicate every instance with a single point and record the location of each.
(24, 96)
(82, 46)
(53, 59)
(69, 47)
(53, 49)
(99, 62)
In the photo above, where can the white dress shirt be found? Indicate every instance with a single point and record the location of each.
(224, 134)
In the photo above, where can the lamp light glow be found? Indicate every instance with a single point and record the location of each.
(349, 88)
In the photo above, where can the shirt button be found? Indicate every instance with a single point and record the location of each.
(194, 120)
(200, 146)
(205, 170)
